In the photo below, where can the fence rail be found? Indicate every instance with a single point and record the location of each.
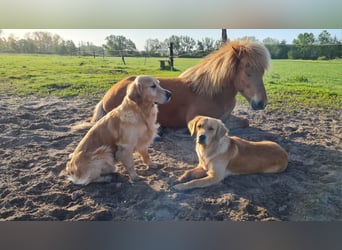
(326, 51)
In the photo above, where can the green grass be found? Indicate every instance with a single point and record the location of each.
(293, 84)
(290, 85)
(72, 76)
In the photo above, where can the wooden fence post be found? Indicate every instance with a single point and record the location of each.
(171, 56)
(224, 35)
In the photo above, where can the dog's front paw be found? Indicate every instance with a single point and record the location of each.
(179, 180)
(183, 178)
(176, 182)
(179, 187)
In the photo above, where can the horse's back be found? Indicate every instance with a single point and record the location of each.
(116, 94)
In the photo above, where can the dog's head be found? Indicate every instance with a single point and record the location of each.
(146, 89)
(207, 129)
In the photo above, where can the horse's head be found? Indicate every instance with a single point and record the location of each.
(237, 64)
(250, 84)
(252, 60)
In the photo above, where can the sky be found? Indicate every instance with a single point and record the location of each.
(139, 36)
(170, 14)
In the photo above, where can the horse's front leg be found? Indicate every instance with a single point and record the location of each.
(232, 121)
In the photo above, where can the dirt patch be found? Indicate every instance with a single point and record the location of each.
(36, 140)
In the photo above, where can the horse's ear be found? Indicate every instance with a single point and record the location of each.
(192, 125)
(236, 52)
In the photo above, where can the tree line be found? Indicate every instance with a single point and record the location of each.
(305, 46)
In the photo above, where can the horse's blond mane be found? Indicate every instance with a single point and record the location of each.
(215, 71)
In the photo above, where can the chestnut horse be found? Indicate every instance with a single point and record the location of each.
(208, 88)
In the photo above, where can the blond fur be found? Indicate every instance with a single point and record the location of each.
(211, 75)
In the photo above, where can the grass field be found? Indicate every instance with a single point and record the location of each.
(291, 84)
(298, 83)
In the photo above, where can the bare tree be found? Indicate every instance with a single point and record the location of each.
(152, 46)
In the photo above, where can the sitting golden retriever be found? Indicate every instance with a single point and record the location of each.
(220, 155)
(126, 129)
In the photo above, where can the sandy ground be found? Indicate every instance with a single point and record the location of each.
(35, 143)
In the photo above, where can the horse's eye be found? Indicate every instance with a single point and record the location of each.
(248, 75)
(210, 128)
(153, 86)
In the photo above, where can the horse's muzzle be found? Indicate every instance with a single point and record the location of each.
(258, 104)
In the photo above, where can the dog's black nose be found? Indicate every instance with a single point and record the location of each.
(201, 139)
(168, 94)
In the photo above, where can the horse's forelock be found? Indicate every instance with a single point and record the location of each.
(255, 54)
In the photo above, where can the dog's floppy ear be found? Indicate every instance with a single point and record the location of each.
(192, 125)
(221, 129)
(134, 92)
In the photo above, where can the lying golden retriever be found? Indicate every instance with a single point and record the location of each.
(220, 155)
(126, 129)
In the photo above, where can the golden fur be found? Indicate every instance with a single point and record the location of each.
(211, 75)
(126, 129)
(220, 155)
(209, 88)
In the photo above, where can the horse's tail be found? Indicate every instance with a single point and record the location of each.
(98, 113)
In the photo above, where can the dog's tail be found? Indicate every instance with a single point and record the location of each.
(82, 126)
(98, 113)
